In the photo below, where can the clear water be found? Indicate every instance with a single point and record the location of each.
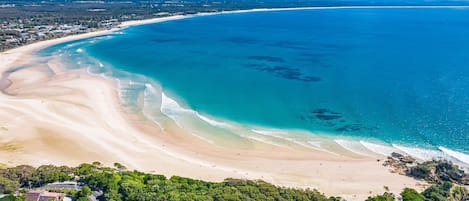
(400, 76)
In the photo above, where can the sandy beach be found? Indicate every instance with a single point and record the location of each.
(50, 115)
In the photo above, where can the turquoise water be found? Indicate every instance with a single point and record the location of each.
(397, 76)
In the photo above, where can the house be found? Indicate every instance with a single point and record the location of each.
(63, 185)
(43, 196)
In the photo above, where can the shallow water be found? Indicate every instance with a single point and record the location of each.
(394, 76)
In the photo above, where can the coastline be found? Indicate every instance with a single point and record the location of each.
(47, 112)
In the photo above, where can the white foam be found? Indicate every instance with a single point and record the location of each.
(269, 133)
(133, 83)
(79, 50)
(120, 90)
(100, 64)
(274, 134)
(203, 138)
(88, 70)
(316, 144)
(213, 122)
(149, 90)
(284, 135)
(455, 154)
(148, 87)
(148, 102)
(381, 149)
(422, 154)
(103, 75)
(354, 146)
(171, 108)
(260, 139)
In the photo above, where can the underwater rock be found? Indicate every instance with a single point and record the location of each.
(285, 72)
(350, 128)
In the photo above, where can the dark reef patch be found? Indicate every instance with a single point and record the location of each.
(285, 72)
(333, 121)
(350, 128)
(325, 114)
(311, 78)
(354, 128)
(324, 111)
(321, 114)
(267, 58)
(327, 117)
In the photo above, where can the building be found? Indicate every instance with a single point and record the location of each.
(43, 196)
(63, 185)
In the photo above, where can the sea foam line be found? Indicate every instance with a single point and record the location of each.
(213, 122)
(355, 147)
(455, 154)
(419, 153)
(379, 148)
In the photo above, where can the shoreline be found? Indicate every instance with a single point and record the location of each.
(123, 25)
(73, 106)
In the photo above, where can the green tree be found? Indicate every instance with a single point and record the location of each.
(409, 194)
(112, 195)
(84, 192)
(8, 186)
(49, 173)
(460, 193)
(119, 167)
(22, 173)
(385, 197)
(11, 198)
(438, 192)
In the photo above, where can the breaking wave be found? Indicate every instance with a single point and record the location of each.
(455, 154)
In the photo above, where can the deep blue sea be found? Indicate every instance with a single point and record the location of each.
(396, 77)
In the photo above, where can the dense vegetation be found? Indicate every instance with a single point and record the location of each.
(119, 184)
(438, 172)
(437, 192)
(447, 180)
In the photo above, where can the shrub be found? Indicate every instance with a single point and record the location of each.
(409, 194)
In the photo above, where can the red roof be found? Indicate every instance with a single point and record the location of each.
(42, 196)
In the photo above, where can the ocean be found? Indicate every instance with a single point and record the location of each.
(368, 80)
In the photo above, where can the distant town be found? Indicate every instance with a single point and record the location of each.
(25, 22)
